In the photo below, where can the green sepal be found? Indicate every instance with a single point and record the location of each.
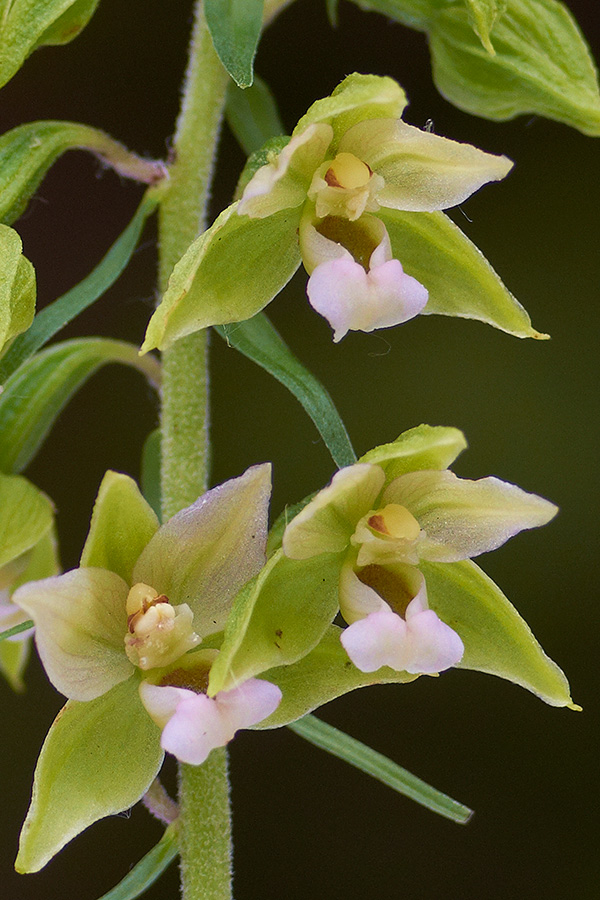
(29, 24)
(17, 287)
(320, 676)
(148, 869)
(457, 275)
(482, 16)
(235, 27)
(56, 315)
(497, 640)
(122, 524)
(26, 515)
(423, 447)
(380, 767)
(277, 618)
(252, 115)
(36, 393)
(27, 152)
(42, 562)
(207, 288)
(259, 341)
(542, 64)
(357, 98)
(98, 759)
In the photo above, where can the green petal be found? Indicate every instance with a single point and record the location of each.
(207, 552)
(277, 618)
(80, 625)
(98, 759)
(26, 515)
(29, 24)
(497, 640)
(457, 275)
(423, 447)
(542, 64)
(328, 522)
(358, 97)
(122, 524)
(17, 287)
(322, 675)
(228, 274)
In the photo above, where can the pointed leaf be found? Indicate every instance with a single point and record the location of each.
(362, 757)
(58, 314)
(458, 277)
(497, 640)
(259, 341)
(252, 115)
(205, 288)
(27, 152)
(36, 393)
(150, 867)
(122, 524)
(17, 287)
(277, 618)
(235, 29)
(423, 447)
(322, 675)
(28, 24)
(99, 758)
(26, 515)
(542, 65)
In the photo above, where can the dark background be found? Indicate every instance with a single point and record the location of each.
(307, 825)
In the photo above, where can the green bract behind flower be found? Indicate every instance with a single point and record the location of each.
(351, 187)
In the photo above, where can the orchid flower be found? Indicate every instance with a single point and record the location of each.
(144, 596)
(336, 197)
(389, 513)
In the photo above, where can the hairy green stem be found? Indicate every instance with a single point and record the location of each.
(205, 822)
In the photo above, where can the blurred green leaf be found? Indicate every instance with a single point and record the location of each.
(332, 12)
(457, 275)
(17, 629)
(17, 287)
(26, 25)
(497, 640)
(99, 758)
(252, 115)
(54, 317)
(36, 393)
(362, 757)
(235, 29)
(257, 339)
(414, 13)
(150, 867)
(26, 515)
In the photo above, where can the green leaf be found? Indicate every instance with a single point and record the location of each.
(26, 515)
(27, 152)
(235, 29)
(122, 524)
(423, 447)
(17, 287)
(252, 115)
(497, 640)
(259, 341)
(151, 468)
(207, 288)
(98, 759)
(36, 393)
(322, 675)
(380, 767)
(457, 275)
(482, 16)
(414, 13)
(150, 867)
(277, 618)
(58, 314)
(542, 64)
(28, 24)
